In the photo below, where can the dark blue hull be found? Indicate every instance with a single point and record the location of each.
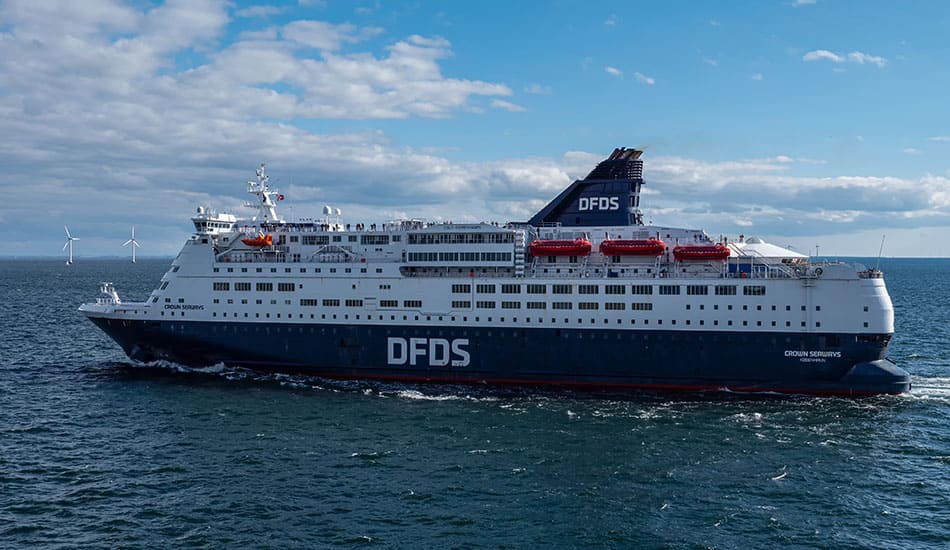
(595, 358)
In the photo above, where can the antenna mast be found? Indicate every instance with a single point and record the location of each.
(880, 253)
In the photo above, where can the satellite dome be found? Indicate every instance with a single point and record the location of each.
(754, 240)
(327, 210)
(201, 209)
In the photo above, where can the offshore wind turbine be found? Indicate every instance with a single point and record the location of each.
(69, 244)
(133, 242)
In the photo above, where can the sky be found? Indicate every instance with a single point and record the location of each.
(809, 123)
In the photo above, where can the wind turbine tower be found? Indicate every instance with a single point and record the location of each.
(69, 245)
(133, 242)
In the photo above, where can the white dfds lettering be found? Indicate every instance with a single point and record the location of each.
(437, 352)
(598, 203)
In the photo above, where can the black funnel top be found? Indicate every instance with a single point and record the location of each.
(608, 196)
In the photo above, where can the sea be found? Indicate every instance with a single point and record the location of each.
(97, 451)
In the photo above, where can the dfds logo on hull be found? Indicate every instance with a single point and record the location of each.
(436, 352)
(598, 203)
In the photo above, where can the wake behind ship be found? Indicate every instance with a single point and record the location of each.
(584, 295)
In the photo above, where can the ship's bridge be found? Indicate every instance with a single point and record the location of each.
(209, 222)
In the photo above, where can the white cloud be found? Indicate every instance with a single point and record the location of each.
(507, 106)
(860, 58)
(711, 62)
(611, 21)
(613, 70)
(326, 36)
(823, 54)
(910, 151)
(260, 11)
(757, 76)
(537, 89)
(798, 3)
(939, 138)
(649, 80)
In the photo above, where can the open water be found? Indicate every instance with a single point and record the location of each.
(98, 452)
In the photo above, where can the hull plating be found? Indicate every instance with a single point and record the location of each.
(595, 358)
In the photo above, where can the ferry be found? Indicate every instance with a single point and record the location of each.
(583, 295)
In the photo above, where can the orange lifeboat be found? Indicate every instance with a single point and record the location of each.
(693, 252)
(575, 247)
(259, 241)
(632, 247)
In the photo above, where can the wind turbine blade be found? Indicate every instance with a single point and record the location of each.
(127, 242)
(67, 232)
(136, 243)
(67, 244)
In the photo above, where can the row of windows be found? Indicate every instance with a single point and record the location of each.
(261, 287)
(289, 270)
(313, 240)
(613, 306)
(460, 256)
(461, 238)
(374, 239)
(663, 290)
(515, 319)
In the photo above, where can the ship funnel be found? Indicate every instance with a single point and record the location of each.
(608, 196)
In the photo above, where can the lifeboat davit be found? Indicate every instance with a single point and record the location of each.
(259, 241)
(632, 247)
(695, 252)
(575, 247)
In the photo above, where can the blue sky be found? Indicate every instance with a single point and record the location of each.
(807, 123)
